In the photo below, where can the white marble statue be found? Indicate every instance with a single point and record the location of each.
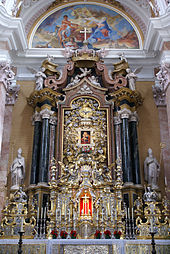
(131, 76)
(74, 81)
(84, 73)
(40, 76)
(149, 195)
(18, 170)
(151, 169)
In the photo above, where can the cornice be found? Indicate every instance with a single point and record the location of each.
(12, 31)
(158, 32)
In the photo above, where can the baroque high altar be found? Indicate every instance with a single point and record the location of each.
(85, 173)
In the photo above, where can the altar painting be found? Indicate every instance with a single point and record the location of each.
(105, 28)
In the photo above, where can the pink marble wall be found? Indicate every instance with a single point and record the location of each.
(5, 154)
(2, 110)
(164, 133)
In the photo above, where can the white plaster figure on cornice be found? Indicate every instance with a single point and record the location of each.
(16, 7)
(158, 94)
(39, 77)
(131, 76)
(164, 75)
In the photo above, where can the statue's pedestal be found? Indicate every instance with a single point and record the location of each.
(70, 246)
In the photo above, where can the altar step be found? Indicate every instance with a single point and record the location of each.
(83, 246)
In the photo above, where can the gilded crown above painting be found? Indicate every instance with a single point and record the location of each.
(105, 27)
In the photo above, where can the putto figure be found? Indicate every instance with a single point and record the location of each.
(18, 170)
(151, 169)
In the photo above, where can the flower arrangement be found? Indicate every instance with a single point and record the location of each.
(117, 234)
(63, 234)
(73, 234)
(97, 234)
(54, 234)
(107, 234)
(86, 149)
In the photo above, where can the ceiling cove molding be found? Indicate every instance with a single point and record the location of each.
(158, 32)
(12, 31)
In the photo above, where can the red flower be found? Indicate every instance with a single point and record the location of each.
(107, 232)
(73, 234)
(117, 232)
(63, 234)
(97, 233)
(54, 233)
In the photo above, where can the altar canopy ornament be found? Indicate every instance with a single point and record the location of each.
(15, 216)
(154, 216)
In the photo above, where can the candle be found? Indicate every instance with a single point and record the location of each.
(37, 214)
(68, 215)
(128, 213)
(45, 213)
(41, 212)
(22, 221)
(97, 215)
(132, 213)
(115, 214)
(56, 214)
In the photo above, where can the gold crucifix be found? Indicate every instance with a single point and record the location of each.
(85, 31)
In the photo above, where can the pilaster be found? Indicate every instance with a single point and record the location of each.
(8, 95)
(161, 94)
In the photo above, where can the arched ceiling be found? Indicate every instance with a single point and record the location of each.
(137, 11)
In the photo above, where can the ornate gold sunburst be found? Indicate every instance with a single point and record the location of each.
(86, 112)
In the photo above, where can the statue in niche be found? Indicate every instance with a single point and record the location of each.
(18, 170)
(151, 169)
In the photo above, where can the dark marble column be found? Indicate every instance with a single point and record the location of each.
(44, 148)
(126, 152)
(36, 148)
(53, 123)
(134, 148)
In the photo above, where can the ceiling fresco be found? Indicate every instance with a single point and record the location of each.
(105, 28)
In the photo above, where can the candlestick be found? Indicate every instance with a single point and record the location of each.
(22, 221)
(151, 221)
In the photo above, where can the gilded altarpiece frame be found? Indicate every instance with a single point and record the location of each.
(85, 133)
